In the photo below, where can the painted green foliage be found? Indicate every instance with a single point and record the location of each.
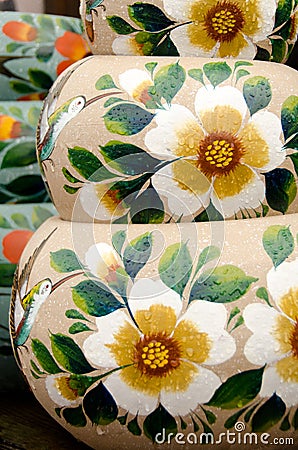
(193, 282)
(128, 172)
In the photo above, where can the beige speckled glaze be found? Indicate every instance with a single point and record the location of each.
(249, 29)
(178, 138)
(217, 303)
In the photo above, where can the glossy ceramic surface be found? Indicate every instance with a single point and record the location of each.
(132, 139)
(249, 29)
(145, 331)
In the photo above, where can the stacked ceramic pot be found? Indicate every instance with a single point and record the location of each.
(149, 311)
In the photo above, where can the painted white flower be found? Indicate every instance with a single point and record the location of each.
(219, 154)
(159, 355)
(103, 261)
(136, 82)
(222, 28)
(63, 389)
(127, 45)
(274, 341)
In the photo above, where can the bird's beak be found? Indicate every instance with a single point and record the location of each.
(60, 282)
(98, 97)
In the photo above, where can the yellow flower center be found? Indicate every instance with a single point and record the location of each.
(140, 93)
(224, 20)
(157, 355)
(219, 153)
(63, 385)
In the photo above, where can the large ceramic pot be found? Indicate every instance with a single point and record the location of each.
(133, 139)
(250, 29)
(168, 334)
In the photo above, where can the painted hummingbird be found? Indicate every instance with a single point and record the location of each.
(25, 304)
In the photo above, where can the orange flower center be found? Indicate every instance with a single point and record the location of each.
(294, 340)
(219, 153)
(223, 21)
(157, 355)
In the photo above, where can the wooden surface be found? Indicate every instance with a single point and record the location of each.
(25, 425)
(64, 7)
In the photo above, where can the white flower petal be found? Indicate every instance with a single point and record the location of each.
(132, 78)
(267, 10)
(180, 37)
(269, 128)
(163, 140)
(261, 349)
(178, 10)
(181, 202)
(259, 317)
(146, 292)
(100, 257)
(134, 401)
(199, 391)
(282, 279)
(94, 347)
(211, 318)
(55, 394)
(250, 197)
(272, 383)
(124, 45)
(208, 98)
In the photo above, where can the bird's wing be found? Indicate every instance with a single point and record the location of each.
(50, 102)
(23, 280)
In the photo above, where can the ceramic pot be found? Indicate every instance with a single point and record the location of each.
(262, 29)
(132, 139)
(167, 334)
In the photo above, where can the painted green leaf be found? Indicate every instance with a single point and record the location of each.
(128, 158)
(197, 74)
(165, 47)
(238, 390)
(20, 155)
(4, 222)
(70, 189)
(223, 284)
(295, 420)
(241, 73)
(147, 207)
(26, 185)
(44, 357)
(74, 314)
(100, 406)
(78, 327)
(13, 47)
(40, 215)
(40, 79)
(134, 427)
(127, 190)
(95, 299)
(269, 414)
(64, 261)
(151, 66)
(257, 93)
(285, 425)
(232, 420)
(149, 17)
(75, 416)
(137, 254)
(289, 117)
(242, 63)
(46, 23)
(69, 176)
(127, 119)
(44, 53)
(105, 82)
(88, 165)
(36, 368)
(21, 87)
(279, 49)
(20, 220)
(294, 157)
(111, 101)
(208, 254)
(217, 72)
(175, 267)
(281, 189)
(283, 12)
(33, 116)
(69, 355)
(6, 274)
(149, 41)
(167, 83)
(278, 243)
(262, 293)
(210, 416)
(119, 25)
(118, 240)
(159, 424)
(16, 112)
